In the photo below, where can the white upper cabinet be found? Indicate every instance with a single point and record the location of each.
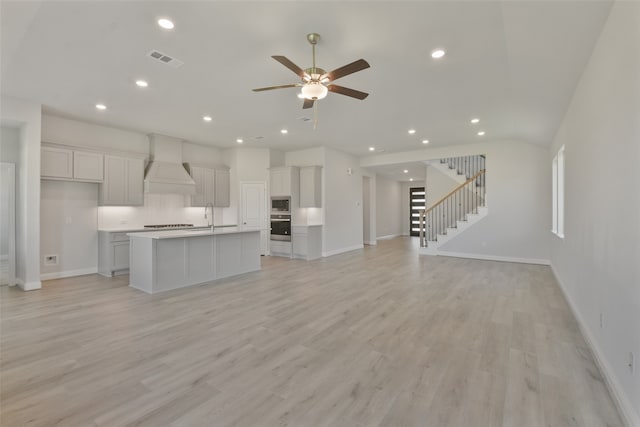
(71, 165)
(284, 181)
(310, 187)
(222, 188)
(212, 186)
(88, 166)
(123, 183)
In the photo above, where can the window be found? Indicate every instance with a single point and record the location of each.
(557, 223)
(416, 204)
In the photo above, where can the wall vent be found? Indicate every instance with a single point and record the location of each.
(164, 58)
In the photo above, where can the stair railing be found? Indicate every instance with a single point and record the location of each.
(455, 206)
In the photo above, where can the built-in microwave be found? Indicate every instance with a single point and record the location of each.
(280, 205)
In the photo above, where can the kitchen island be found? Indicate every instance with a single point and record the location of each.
(165, 260)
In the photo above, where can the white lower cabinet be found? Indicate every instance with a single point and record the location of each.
(307, 241)
(113, 253)
(161, 264)
(279, 248)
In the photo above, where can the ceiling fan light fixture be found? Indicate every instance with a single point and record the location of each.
(314, 90)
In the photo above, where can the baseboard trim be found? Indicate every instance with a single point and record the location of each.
(342, 250)
(371, 243)
(388, 236)
(68, 273)
(625, 408)
(495, 258)
(29, 286)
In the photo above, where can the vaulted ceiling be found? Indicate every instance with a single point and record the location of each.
(512, 64)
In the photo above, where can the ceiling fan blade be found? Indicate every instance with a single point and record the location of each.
(348, 92)
(260, 89)
(308, 103)
(345, 70)
(290, 65)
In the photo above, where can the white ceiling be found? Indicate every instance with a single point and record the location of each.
(513, 64)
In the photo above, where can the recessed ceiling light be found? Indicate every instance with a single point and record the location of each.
(207, 118)
(410, 179)
(438, 53)
(284, 131)
(372, 148)
(474, 121)
(165, 23)
(425, 141)
(239, 140)
(412, 131)
(101, 106)
(481, 133)
(405, 171)
(142, 83)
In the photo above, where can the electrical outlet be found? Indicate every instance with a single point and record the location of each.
(51, 260)
(601, 321)
(632, 363)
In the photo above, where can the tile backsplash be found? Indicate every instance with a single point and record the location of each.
(160, 209)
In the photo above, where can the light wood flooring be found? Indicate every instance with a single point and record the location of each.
(375, 337)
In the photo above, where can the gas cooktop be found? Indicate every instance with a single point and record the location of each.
(168, 226)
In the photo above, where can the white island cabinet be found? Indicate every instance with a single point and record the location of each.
(165, 260)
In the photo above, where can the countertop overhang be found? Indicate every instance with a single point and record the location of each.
(175, 234)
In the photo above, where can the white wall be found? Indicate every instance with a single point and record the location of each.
(439, 184)
(68, 228)
(597, 263)
(26, 115)
(370, 218)
(389, 219)
(201, 155)
(342, 196)
(276, 158)
(518, 188)
(10, 144)
(9, 153)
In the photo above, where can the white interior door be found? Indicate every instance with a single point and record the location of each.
(7, 224)
(253, 209)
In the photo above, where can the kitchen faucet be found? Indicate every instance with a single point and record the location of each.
(206, 207)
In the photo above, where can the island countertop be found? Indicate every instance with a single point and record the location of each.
(174, 234)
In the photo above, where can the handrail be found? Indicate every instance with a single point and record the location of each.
(425, 212)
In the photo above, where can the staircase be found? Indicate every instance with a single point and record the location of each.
(459, 209)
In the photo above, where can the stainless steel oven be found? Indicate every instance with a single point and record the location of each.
(280, 205)
(281, 227)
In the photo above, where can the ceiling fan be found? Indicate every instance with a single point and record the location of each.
(316, 82)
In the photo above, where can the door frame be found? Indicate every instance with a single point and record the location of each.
(11, 226)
